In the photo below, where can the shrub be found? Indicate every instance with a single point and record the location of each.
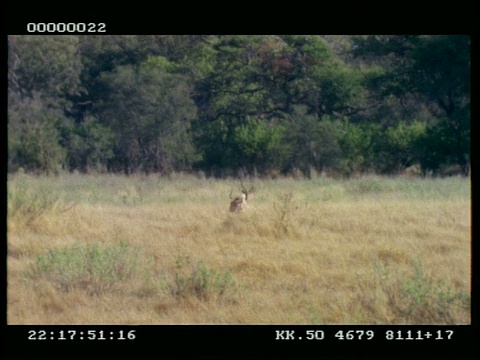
(357, 143)
(286, 213)
(199, 281)
(399, 146)
(420, 299)
(90, 267)
(34, 141)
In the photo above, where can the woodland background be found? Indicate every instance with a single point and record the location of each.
(239, 104)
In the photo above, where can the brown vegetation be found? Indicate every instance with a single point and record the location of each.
(151, 251)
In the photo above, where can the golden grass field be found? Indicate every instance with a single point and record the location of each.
(104, 249)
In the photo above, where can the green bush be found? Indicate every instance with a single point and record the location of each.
(90, 267)
(314, 143)
(260, 145)
(199, 281)
(420, 299)
(432, 298)
(357, 143)
(34, 141)
(399, 146)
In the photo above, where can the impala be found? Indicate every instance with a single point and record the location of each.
(240, 202)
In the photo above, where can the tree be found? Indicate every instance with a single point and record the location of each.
(44, 72)
(359, 146)
(314, 144)
(259, 146)
(89, 145)
(163, 103)
(398, 147)
(262, 80)
(442, 76)
(230, 99)
(33, 138)
(149, 110)
(48, 66)
(426, 73)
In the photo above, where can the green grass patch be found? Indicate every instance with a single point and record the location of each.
(419, 299)
(91, 267)
(26, 203)
(32, 194)
(197, 280)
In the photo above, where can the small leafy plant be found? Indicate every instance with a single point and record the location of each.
(286, 212)
(90, 267)
(195, 279)
(420, 299)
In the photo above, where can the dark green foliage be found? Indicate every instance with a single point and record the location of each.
(358, 144)
(89, 145)
(254, 145)
(259, 145)
(314, 144)
(149, 111)
(34, 137)
(238, 103)
(398, 148)
(424, 77)
(440, 147)
(46, 65)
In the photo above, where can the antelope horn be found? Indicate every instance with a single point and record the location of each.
(243, 187)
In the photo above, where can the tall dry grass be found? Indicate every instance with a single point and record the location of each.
(104, 249)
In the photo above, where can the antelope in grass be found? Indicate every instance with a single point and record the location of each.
(240, 202)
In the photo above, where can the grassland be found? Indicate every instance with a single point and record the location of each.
(104, 249)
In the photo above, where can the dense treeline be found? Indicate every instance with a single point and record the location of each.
(261, 105)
